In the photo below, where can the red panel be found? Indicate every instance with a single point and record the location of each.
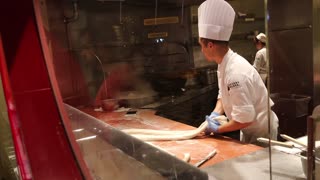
(20, 150)
(29, 60)
(50, 153)
(44, 137)
(14, 28)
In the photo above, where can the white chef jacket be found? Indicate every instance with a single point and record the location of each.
(244, 97)
(260, 63)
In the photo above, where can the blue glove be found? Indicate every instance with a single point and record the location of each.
(213, 125)
(213, 115)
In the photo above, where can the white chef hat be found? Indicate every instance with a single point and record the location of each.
(215, 20)
(262, 37)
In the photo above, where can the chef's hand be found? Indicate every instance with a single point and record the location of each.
(213, 125)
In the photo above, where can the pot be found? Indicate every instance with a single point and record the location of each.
(109, 104)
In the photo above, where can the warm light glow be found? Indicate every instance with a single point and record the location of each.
(86, 138)
(78, 130)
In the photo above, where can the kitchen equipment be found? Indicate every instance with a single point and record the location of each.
(208, 76)
(292, 109)
(115, 51)
(312, 152)
(273, 142)
(211, 76)
(136, 99)
(109, 104)
(167, 86)
(209, 156)
(167, 48)
(191, 79)
(304, 162)
(286, 137)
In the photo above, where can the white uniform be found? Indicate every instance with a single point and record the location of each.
(244, 97)
(260, 63)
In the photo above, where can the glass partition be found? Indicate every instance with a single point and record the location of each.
(123, 64)
(115, 63)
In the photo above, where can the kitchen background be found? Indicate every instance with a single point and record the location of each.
(164, 54)
(152, 48)
(91, 41)
(118, 32)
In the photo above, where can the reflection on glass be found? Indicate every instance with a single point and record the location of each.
(111, 154)
(8, 164)
(138, 64)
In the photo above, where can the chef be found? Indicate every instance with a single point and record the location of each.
(260, 60)
(243, 97)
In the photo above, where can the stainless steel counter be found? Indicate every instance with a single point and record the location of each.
(255, 166)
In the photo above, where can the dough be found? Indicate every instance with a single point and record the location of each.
(186, 157)
(160, 135)
(222, 119)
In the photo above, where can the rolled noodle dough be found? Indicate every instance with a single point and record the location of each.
(161, 135)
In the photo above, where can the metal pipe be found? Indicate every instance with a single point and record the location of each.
(75, 15)
(268, 87)
(311, 144)
(316, 53)
(182, 12)
(155, 12)
(104, 74)
(73, 18)
(120, 13)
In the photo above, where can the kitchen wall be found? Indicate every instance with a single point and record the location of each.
(107, 33)
(249, 21)
(293, 30)
(71, 81)
(104, 34)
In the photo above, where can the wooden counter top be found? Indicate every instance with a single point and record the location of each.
(198, 147)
